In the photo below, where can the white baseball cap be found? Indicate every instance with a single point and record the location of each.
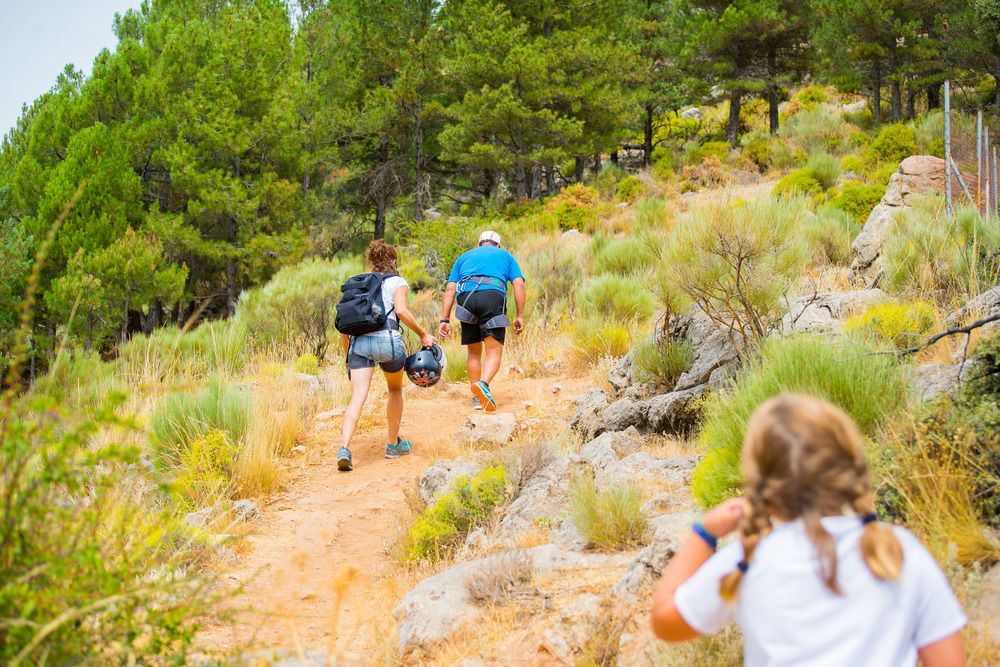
(490, 236)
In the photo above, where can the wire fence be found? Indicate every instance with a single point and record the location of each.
(972, 137)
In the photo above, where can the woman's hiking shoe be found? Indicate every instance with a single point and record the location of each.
(344, 460)
(481, 390)
(401, 448)
(476, 404)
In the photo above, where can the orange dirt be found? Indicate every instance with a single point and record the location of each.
(325, 521)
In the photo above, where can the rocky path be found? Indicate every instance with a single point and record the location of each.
(324, 537)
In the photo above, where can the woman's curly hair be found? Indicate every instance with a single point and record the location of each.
(382, 256)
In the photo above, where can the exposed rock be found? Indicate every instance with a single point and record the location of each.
(918, 174)
(985, 612)
(936, 379)
(439, 477)
(691, 112)
(712, 348)
(643, 466)
(621, 414)
(330, 415)
(488, 429)
(821, 313)
(587, 417)
(568, 537)
(645, 569)
(987, 303)
(668, 501)
(246, 510)
(744, 177)
(602, 452)
(441, 605)
(620, 376)
(854, 107)
(199, 519)
(545, 496)
(674, 412)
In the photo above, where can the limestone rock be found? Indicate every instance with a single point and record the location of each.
(545, 496)
(439, 477)
(488, 429)
(330, 415)
(587, 417)
(621, 414)
(568, 537)
(917, 175)
(441, 606)
(936, 379)
(645, 569)
(987, 303)
(712, 348)
(674, 412)
(821, 313)
(668, 501)
(602, 452)
(620, 376)
(246, 510)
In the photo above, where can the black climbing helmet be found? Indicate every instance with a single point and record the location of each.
(426, 366)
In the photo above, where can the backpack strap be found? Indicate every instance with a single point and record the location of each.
(390, 323)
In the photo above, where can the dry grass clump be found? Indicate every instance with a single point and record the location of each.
(724, 649)
(609, 519)
(499, 577)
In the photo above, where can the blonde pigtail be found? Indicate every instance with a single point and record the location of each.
(826, 548)
(753, 527)
(880, 547)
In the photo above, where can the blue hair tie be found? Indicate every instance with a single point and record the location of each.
(743, 566)
(868, 518)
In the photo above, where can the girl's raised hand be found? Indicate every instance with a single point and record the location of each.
(725, 517)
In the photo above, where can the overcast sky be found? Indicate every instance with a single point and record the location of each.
(39, 37)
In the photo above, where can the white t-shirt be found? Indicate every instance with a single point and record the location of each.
(389, 287)
(789, 616)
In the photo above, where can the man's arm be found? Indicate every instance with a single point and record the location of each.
(449, 301)
(519, 298)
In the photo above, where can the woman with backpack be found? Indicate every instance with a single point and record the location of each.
(814, 578)
(383, 347)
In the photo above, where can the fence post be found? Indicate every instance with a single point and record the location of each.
(996, 209)
(947, 148)
(979, 161)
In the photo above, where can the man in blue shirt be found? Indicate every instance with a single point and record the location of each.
(477, 287)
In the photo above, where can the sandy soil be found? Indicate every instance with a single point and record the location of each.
(325, 535)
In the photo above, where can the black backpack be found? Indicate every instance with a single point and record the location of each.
(360, 309)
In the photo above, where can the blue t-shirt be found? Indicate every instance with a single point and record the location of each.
(486, 260)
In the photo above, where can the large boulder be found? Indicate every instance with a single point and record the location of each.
(936, 379)
(587, 418)
(987, 303)
(917, 175)
(821, 313)
(487, 429)
(712, 348)
(675, 412)
(669, 532)
(439, 477)
(544, 497)
(441, 606)
(615, 459)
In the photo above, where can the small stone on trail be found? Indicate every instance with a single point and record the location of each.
(515, 370)
(556, 388)
(298, 449)
(528, 405)
(330, 414)
(246, 510)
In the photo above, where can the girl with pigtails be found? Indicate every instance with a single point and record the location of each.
(814, 578)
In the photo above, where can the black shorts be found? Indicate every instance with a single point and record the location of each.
(484, 304)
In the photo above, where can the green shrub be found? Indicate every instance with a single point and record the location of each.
(621, 298)
(798, 182)
(817, 130)
(824, 168)
(206, 469)
(627, 256)
(736, 261)
(903, 324)
(867, 386)
(662, 361)
(93, 572)
(853, 163)
(552, 269)
(574, 208)
(298, 305)
(605, 182)
(928, 133)
(183, 417)
(308, 364)
(467, 504)
(416, 276)
(695, 153)
(218, 346)
(438, 243)
(456, 370)
(811, 97)
(893, 143)
(858, 200)
(630, 188)
(78, 377)
(924, 252)
(830, 232)
(595, 336)
(611, 519)
(665, 161)
(766, 150)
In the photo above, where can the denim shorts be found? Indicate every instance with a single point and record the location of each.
(384, 348)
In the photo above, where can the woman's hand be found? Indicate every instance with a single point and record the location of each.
(427, 340)
(725, 517)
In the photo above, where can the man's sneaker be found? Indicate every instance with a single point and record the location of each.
(344, 460)
(481, 390)
(477, 404)
(401, 448)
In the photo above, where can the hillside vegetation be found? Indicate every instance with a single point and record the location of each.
(175, 228)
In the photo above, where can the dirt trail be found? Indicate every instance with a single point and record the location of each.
(325, 520)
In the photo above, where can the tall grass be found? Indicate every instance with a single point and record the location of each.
(183, 417)
(869, 387)
(610, 519)
(619, 298)
(629, 256)
(830, 233)
(663, 361)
